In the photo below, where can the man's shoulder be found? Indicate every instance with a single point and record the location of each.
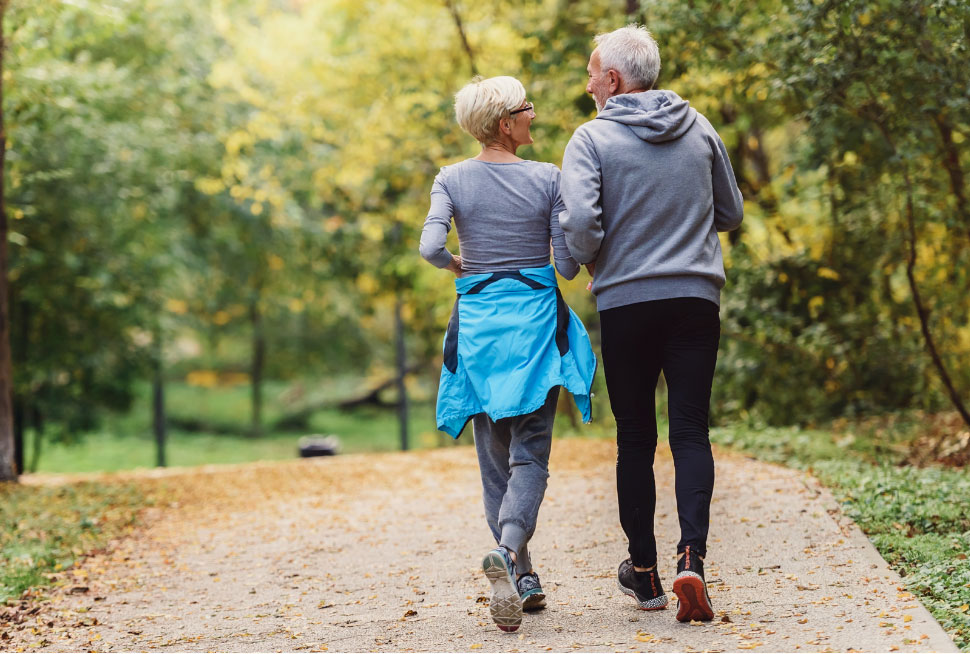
(586, 130)
(593, 131)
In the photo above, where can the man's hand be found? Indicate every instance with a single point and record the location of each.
(455, 265)
(591, 268)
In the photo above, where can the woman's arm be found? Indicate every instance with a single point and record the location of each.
(434, 235)
(567, 266)
(582, 182)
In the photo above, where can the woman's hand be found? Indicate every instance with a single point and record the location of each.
(591, 269)
(455, 265)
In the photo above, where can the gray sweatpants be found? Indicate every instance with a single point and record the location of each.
(513, 455)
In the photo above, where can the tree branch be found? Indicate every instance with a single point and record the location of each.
(450, 4)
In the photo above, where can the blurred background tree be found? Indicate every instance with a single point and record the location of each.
(215, 206)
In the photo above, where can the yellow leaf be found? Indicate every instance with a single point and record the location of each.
(179, 307)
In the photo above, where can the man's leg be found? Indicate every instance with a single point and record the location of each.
(631, 363)
(688, 364)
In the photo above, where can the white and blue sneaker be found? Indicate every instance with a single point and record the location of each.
(506, 605)
(530, 590)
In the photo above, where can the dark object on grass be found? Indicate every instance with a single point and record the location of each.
(318, 445)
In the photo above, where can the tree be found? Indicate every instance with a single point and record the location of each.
(8, 468)
(877, 85)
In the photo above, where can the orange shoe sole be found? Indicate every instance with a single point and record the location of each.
(692, 600)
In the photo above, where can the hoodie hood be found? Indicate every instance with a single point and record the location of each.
(654, 116)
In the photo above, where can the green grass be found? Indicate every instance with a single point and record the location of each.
(126, 442)
(44, 529)
(917, 518)
(362, 430)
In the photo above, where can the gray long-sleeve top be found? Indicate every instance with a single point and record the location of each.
(506, 215)
(647, 185)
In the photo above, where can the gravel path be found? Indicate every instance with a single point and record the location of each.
(382, 552)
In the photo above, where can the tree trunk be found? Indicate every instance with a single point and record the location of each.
(402, 391)
(19, 415)
(37, 422)
(158, 411)
(256, 373)
(951, 161)
(8, 469)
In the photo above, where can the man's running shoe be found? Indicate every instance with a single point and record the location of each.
(506, 605)
(644, 587)
(693, 601)
(533, 598)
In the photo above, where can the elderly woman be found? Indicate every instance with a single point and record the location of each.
(511, 341)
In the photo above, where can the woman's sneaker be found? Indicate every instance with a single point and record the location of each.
(506, 605)
(644, 587)
(693, 601)
(533, 598)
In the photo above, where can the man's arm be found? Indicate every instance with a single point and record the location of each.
(728, 203)
(582, 181)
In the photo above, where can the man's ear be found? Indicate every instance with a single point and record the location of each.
(614, 81)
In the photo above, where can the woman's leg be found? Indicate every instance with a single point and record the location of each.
(528, 460)
(689, 358)
(631, 363)
(492, 445)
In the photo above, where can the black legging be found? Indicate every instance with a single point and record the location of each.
(678, 336)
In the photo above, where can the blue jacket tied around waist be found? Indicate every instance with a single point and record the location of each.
(511, 338)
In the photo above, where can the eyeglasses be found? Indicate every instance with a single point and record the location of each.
(530, 107)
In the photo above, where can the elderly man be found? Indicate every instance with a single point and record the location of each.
(647, 185)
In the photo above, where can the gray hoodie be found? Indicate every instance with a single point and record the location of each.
(647, 185)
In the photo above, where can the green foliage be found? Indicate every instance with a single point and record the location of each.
(193, 182)
(45, 529)
(874, 85)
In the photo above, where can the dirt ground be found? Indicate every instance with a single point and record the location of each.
(382, 553)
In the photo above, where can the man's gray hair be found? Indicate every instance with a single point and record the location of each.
(632, 52)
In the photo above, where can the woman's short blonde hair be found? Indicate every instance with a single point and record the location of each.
(482, 103)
